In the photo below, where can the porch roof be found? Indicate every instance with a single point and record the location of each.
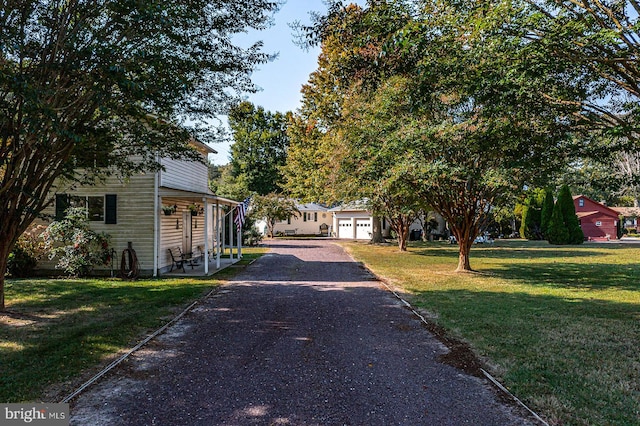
(192, 195)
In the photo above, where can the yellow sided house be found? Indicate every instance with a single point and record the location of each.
(170, 219)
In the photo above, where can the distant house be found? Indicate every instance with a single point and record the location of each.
(630, 216)
(354, 221)
(313, 220)
(598, 222)
(155, 212)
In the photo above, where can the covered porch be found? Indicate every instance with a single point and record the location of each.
(197, 269)
(198, 226)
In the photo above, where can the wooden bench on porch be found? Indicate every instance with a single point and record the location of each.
(178, 259)
(289, 232)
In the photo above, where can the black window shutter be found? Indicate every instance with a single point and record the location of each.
(111, 209)
(62, 204)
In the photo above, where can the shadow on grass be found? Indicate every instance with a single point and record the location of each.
(600, 276)
(549, 348)
(67, 326)
(577, 267)
(503, 250)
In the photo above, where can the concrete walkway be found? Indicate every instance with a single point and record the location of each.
(304, 336)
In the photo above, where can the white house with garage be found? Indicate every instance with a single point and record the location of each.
(354, 221)
(314, 219)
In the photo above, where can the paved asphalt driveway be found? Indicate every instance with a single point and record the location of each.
(304, 336)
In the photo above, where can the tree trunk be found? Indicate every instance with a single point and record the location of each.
(403, 237)
(464, 264)
(465, 232)
(4, 260)
(376, 235)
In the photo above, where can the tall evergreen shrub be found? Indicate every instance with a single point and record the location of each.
(556, 230)
(547, 211)
(568, 209)
(564, 216)
(531, 215)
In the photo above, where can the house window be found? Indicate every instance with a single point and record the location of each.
(95, 208)
(315, 216)
(289, 220)
(581, 203)
(304, 216)
(598, 223)
(99, 208)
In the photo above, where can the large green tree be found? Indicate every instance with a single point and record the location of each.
(490, 122)
(601, 38)
(273, 208)
(329, 142)
(89, 87)
(475, 112)
(259, 148)
(374, 136)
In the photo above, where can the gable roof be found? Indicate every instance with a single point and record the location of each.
(601, 207)
(354, 206)
(314, 207)
(628, 211)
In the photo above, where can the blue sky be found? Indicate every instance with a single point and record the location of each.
(281, 79)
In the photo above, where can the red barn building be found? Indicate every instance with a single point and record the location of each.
(598, 222)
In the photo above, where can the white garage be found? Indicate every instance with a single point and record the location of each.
(364, 229)
(352, 221)
(345, 228)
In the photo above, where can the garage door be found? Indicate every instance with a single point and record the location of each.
(363, 229)
(345, 228)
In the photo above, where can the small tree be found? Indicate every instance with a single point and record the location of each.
(568, 210)
(28, 250)
(564, 227)
(273, 208)
(547, 212)
(557, 231)
(77, 248)
(531, 228)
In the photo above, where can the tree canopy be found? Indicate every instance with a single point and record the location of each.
(90, 87)
(454, 107)
(600, 39)
(259, 148)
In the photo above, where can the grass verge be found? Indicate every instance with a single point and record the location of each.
(560, 326)
(54, 330)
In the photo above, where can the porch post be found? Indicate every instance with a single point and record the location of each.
(218, 233)
(230, 214)
(239, 242)
(206, 236)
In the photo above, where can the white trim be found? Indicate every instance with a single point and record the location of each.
(156, 224)
(206, 236)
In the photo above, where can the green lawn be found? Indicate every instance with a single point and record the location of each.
(56, 330)
(559, 326)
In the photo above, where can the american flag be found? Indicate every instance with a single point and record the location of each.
(241, 211)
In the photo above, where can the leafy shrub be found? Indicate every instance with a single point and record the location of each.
(77, 248)
(28, 250)
(564, 226)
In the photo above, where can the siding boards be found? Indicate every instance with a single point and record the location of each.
(185, 175)
(135, 201)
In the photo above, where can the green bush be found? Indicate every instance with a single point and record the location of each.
(557, 232)
(28, 250)
(546, 212)
(531, 226)
(77, 248)
(564, 226)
